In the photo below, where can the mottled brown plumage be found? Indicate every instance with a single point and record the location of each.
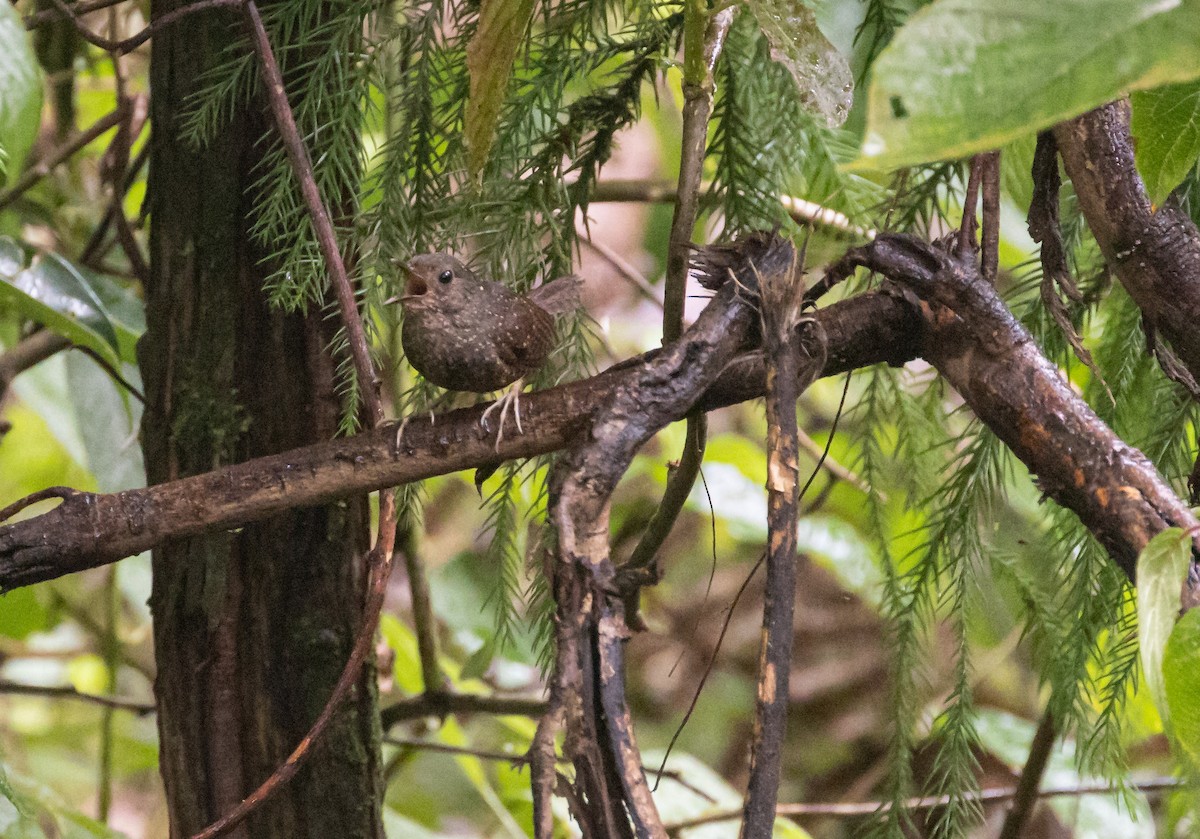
(465, 333)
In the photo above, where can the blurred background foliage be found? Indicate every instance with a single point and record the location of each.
(942, 606)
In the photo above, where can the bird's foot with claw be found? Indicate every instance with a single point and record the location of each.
(403, 424)
(510, 400)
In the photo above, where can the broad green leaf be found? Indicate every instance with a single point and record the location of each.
(1166, 128)
(20, 91)
(490, 55)
(964, 76)
(821, 72)
(108, 419)
(42, 812)
(1181, 676)
(87, 308)
(1161, 568)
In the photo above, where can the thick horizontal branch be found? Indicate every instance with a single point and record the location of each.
(997, 367)
(87, 530)
(1154, 252)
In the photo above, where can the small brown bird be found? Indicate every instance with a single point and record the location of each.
(466, 333)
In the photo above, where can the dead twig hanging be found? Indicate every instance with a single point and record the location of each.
(794, 353)
(610, 793)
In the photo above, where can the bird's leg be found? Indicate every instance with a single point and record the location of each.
(433, 406)
(510, 399)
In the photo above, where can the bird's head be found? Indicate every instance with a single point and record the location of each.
(432, 278)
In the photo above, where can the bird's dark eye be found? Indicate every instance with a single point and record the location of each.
(445, 277)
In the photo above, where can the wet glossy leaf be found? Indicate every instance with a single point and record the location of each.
(1181, 676)
(1162, 566)
(963, 76)
(87, 308)
(490, 55)
(821, 72)
(20, 92)
(1166, 128)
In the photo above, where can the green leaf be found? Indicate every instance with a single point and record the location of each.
(479, 661)
(1166, 128)
(87, 308)
(490, 55)
(964, 76)
(108, 420)
(10, 794)
(20, 91)
(1161, 569)
(1181, 676)
(821, 72)
(21, 614)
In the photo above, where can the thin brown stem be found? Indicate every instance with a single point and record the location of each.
(663, 192)
(988, 796)
(989, 246)
(443, 704)
(47, 164)
(970, 223)
(1026, 794)
(29, 352)
(424, 622)
(45, 16)
(131, 43)
(57, 692)
(791, 366)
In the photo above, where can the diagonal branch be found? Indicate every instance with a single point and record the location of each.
(1155, 252)
(994, 363)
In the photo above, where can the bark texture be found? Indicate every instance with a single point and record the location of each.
(1155, 252)
(251, 627)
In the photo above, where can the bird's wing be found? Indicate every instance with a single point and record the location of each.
(558, 296)
(528, 337)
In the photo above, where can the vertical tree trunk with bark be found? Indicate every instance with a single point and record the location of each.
(251, 627)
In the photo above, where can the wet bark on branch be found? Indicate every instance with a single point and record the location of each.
(90, 529)
(994, 363)
(1155, 252)
(610, 794)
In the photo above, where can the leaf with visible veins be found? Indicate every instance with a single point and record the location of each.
(490, 56)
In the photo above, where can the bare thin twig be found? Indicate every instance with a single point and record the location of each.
(46, 165)
(987, 796)
(424, 623)
(701, 54)
(1026, 794)
(662, 192)
(84, 7)
(131, 43)
(444, 703)
(989, 245)
(65, 692)
(781, 296)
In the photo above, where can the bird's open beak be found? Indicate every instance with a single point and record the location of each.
(414, 286)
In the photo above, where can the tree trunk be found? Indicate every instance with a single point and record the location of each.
(251, 627)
